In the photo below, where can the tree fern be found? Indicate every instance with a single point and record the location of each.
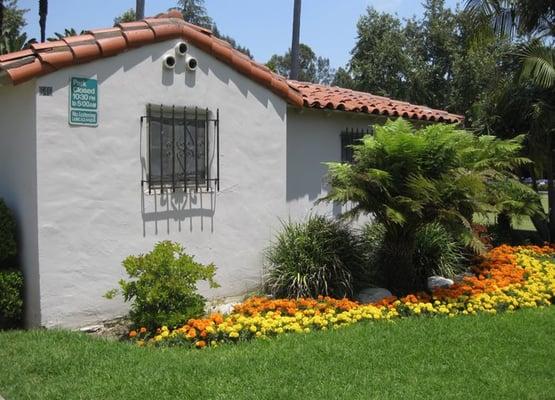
(407, 178)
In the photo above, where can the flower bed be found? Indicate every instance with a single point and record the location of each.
(506, 279)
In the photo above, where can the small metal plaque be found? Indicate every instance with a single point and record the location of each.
(45, 90)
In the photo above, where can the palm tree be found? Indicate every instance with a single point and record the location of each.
(406, 179)
(532, 19)
(538, 64)
(13, 41)
(67, 32)
(43, 12)
(294, 74)
(1, 14)
(140, 9)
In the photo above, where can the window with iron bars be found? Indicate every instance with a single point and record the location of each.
(183, 145)
(350, 137)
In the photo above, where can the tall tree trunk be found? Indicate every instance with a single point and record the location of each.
(1, 16)
(550, 188)
(505, 227)
(294, 73)
(400, 248)
(139, 10)
(43, 12)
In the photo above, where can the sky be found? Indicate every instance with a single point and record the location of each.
(264, 26)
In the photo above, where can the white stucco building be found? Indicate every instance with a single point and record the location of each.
(117, 139)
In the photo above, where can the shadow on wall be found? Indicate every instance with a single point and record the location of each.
(179, 210)
(312, 140)
(246, 86)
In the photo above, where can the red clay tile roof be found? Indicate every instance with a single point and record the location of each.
(44, 58)
(336, 98)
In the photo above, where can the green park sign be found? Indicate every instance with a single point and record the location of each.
(83, 102)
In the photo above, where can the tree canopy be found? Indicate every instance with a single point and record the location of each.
(194, 11)
(313, 68)
(13, 21)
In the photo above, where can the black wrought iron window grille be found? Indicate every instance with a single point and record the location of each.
(350, 137)
(183, 148)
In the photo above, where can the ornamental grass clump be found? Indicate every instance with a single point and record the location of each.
(315, 257)
(162, 287)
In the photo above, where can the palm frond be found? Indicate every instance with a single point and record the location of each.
(538, 64)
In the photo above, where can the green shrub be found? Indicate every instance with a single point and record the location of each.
(8, 245)
(436, 253)
(11, 298)
(316, 257)
(162, 287)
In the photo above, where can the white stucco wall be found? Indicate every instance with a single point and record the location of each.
(313, 138)
(92, 212)
(18, 183)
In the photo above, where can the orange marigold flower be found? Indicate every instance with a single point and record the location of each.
(132, 334)
(142, 330)
(200, 344)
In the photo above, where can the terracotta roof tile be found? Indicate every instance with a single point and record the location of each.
(83, 47)
(110, 41)
(56, 53)
(47, 57)
(336, 98)
(164, 29)
(137, 33)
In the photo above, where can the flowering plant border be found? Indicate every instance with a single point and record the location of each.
(507, 278)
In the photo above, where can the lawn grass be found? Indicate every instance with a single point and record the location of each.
(508, 356)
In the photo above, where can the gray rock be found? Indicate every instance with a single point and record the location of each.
(372, 295)
(436, 282)
(91, 329)
(224, 309)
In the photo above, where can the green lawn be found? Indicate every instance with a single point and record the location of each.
(508, 356)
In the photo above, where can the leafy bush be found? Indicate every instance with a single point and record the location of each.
(436, 253)
(8, 245)
(11, 298)
(163, 286)
(317, 257)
